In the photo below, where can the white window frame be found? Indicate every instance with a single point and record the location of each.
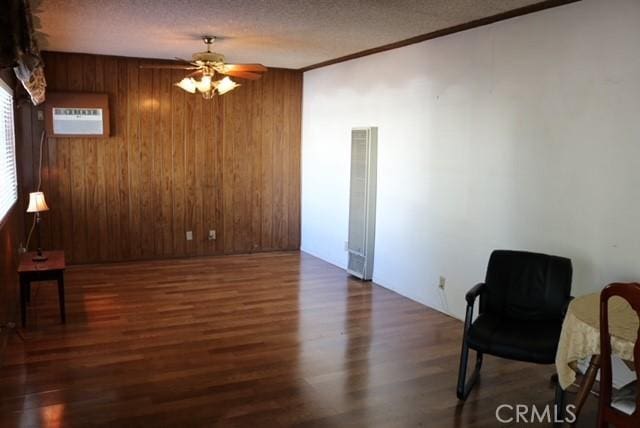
(12, 175)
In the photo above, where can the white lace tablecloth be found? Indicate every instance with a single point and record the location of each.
(580, 336)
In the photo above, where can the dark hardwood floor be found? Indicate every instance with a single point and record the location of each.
(277, 339)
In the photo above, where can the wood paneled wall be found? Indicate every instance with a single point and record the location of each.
(11, 231)
(174, 162)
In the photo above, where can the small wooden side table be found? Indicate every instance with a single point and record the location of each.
(51, 269)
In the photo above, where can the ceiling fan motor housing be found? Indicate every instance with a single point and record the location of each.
(211, 57)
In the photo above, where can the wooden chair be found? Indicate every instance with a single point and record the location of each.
(608, 412)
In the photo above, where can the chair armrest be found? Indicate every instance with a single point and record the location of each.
(565, 307)
(474, 293)
(471, 298)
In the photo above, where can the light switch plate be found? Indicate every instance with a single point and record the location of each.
(189, 235)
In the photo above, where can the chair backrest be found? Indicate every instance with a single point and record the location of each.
(527, 286)
(631, 293)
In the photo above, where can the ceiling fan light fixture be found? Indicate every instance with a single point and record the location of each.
(225, 85)
(187, 84)
(208, 65)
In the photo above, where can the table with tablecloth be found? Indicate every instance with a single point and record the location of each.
(580, 338)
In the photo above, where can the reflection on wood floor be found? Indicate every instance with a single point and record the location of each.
(273, 339)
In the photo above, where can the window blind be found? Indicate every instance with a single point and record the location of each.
(8, 176)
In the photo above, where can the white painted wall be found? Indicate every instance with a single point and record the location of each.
(524, 134)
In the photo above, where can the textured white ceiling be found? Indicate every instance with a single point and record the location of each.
(277, 33)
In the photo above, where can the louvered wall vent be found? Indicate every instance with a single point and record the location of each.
(362, 202)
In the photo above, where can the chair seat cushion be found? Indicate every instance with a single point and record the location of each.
(531, 341)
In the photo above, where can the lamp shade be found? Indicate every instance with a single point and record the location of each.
(204, 84)
(37, 203)
(225, 85)
(188, 84)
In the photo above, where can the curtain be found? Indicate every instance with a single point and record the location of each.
(19, 49)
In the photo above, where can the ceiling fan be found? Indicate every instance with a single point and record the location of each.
(206, 67)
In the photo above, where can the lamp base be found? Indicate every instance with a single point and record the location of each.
(40, 258)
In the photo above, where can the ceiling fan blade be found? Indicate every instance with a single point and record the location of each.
(256, 68)
(196, 64)
(243, 74)
(168, 66)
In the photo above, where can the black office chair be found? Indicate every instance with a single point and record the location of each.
(522, 305)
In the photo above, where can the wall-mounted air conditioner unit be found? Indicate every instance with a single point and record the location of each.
(362, 201)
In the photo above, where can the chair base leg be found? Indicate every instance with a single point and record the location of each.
(465, 386)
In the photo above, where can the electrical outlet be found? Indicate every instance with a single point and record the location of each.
(443, 280)
(189, 235)
(40, 115)
(212, 235)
